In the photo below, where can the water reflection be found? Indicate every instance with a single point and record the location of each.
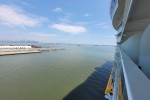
(93, 88)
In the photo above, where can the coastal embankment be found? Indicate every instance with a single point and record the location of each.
(13, 51)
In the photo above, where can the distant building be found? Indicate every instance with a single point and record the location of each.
(15, 47)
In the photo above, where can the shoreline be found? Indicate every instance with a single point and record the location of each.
(4, 52)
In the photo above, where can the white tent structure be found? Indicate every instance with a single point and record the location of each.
(15, 47)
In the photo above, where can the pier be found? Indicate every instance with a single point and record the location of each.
(15, 51)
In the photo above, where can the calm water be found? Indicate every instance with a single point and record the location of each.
(49, 75)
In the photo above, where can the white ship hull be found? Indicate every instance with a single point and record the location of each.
(131, 19)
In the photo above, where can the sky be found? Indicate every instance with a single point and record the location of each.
(57, 21)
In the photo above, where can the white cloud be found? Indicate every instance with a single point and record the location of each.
(87, 14)
(103, 25)
(57, 9)
(69, 28)
(12, 15)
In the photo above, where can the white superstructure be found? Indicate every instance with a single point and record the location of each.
(131, 20)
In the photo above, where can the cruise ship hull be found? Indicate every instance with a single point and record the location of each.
(131, 19)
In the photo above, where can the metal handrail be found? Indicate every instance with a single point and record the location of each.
(126, 14)
(113, 7)
(137, 84)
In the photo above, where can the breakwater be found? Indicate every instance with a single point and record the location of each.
(4, 52)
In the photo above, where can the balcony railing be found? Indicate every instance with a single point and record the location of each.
(137, 85)
(128, 4)
(113, 7)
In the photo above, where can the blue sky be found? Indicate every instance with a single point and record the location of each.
(57, 21)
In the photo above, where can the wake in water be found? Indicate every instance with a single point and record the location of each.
(94, 87)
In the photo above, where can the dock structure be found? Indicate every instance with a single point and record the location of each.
(15, 47)
(18, 52)
(14, 50)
